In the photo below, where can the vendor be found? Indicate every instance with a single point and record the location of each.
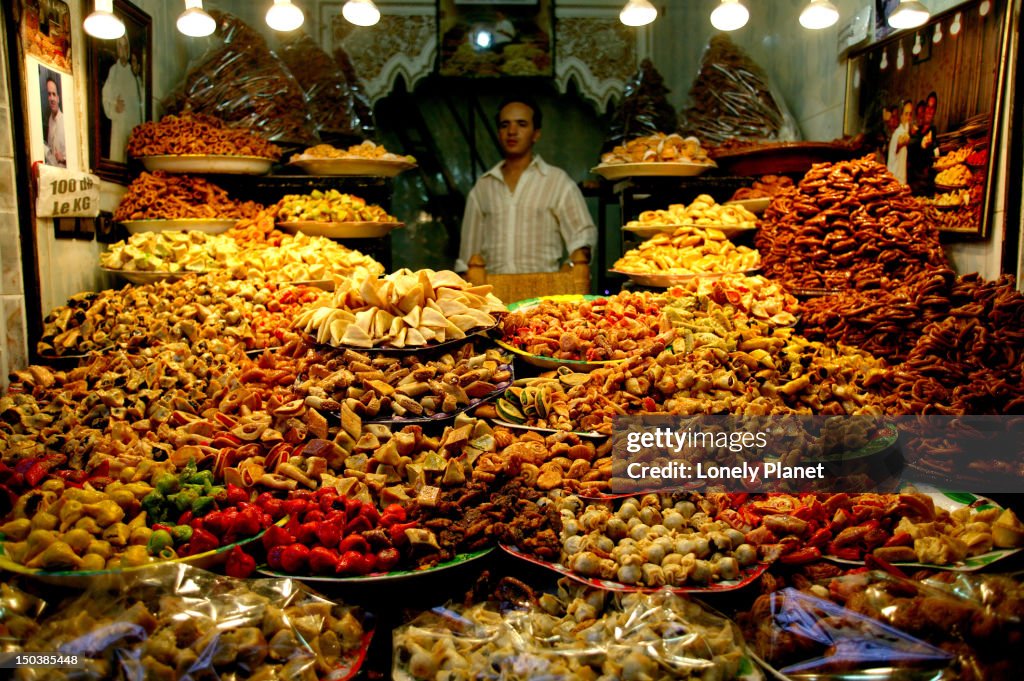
(524, 215)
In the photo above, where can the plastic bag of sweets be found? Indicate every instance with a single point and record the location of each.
(242, 82)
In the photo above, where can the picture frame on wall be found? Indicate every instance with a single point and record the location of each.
(46, 32)
(51, 115)
(494, 39)
(940, 89)
(120, 90)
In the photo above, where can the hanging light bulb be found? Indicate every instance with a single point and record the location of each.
(937, 36)
(984, 7)
(910, 14)
(819, 14)
(954, 28)
(284, 16)
(638, 13)
(885, 61)
(102, 23)
(901, 58)
(361, 12)
(729, 15)
(917, 45)
(194, 21)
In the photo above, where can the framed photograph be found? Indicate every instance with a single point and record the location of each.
(120, 90)
(493, 39)
(52, 124)
(46, 32)
(883, 8)
(921, 50)
(927, 101)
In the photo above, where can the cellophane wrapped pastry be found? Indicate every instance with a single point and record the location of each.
(732, 100)
(576, 633)
(800, 633)
(242, 82)
(968, 621)
(337, 107)
(179, 622)
(644, 109)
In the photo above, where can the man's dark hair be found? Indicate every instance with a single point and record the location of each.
(528, 101)
(932, 95)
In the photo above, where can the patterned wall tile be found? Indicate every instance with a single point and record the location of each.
(3, 70)
(6, 150)
(15, 341)
(8, 196)
(10, 255)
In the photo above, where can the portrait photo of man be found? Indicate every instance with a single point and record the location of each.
(51, 104)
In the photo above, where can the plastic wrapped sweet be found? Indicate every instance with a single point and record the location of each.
(336, 107)
(799, 633)
(644, 110)
(731, 98)
(977, 618)
(177, 622)
(246, 85)
(577, 633)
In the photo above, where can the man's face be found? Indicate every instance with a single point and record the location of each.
(929, 110)
(908, 111)
(51, 96)
(515, 129)
(122, 50)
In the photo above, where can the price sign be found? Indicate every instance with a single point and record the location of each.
(67, 193)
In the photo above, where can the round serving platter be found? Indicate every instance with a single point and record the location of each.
(340, 230)
(206, 225)
(203, 163)
(371, 167)
(618, 171)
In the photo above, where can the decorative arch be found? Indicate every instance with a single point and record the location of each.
(597, 52)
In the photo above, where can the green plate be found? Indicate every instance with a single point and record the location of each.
(951, 501)
(396, 576)
(885, 440)
(544, 361)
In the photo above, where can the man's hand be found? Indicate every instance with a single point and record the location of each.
(119, 107)
(580, 255)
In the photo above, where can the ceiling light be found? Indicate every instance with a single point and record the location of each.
(729, 15)
(638, 13)
(284, 16)
(910, 14)
(194, 21)
(102, 23)
(361, 12)
(819, 14)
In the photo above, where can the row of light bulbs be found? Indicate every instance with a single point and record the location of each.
(818, 14)
(196, 22)
(285, 16)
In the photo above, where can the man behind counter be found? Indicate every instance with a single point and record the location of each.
(523, 215)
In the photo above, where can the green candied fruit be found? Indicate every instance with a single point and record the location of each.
(158, 541)
(181, 533)
(167, 484)
(202, 506)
